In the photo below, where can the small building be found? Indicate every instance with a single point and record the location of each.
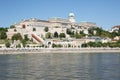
(115, 28)
(92, 39)
(117, 38)
(105, 40)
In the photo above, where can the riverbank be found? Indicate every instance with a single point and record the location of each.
(57, 50)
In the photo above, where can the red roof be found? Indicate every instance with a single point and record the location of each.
(118, 26)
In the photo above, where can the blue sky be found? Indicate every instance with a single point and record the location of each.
(105, 13)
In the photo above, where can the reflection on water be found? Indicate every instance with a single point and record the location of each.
(60, 67)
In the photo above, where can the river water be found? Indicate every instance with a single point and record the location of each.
(98, 66)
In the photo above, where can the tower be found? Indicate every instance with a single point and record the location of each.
(71, 17)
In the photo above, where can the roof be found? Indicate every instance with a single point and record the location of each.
(118, 26)
(35, 20)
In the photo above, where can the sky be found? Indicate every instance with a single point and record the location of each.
(105, 13)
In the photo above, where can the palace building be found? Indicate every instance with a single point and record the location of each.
(34, 28)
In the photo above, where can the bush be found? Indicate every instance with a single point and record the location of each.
(7, 44)
(17, 36)
(84, 45)
(62, 35)
(48, 35)
(3, 35)
(34, 29)
(46, 29)
(53, 45)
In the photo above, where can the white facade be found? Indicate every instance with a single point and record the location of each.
(115, 28)
(25, 27)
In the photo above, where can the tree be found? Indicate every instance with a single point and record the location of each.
(72, 34)
(78, 36)
(82, 33)
(91, 31)
(59, 45)
(91, 44)
(23, 42)
(56, 45)
(105, 44)
(18, 46)
(3, 29)
(69, 45)
(53, 45)
(56, 34)
(3, 35)
(12, 26)
(46, 29)
(17, 37)
(48, 35)
(7, 44)
(113, 34)
(34, 29)
(26, 37)
(84, 45)
(62, 35)
(68, 31)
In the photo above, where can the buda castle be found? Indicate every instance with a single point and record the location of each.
(35, 28)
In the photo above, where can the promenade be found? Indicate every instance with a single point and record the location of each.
(57, 50)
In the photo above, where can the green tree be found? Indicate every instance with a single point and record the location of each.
(23, 42)
(48, 35)
(104, 45)
(91, 44)
(17, 36)
(90, 31)
(113, 34)
(68, 31)
(7, 44)
(3, 29)
(118, 43)
(84, 45)
(100, 32)
(34, 29)
(12, 26)
(26, 37)
(82, 33)
(18, 46)
(3, 35)
(99, 44)
(62, 35)
(69, 45)
(78, 36)
(46, 29)
(56, 45)
(72, 34)
(59, 45)
(53, 45)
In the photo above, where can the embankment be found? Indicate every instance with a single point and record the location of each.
(57, 50)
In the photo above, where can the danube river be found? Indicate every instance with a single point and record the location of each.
(98, 66)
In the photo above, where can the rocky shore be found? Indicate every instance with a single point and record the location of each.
(57, 50)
